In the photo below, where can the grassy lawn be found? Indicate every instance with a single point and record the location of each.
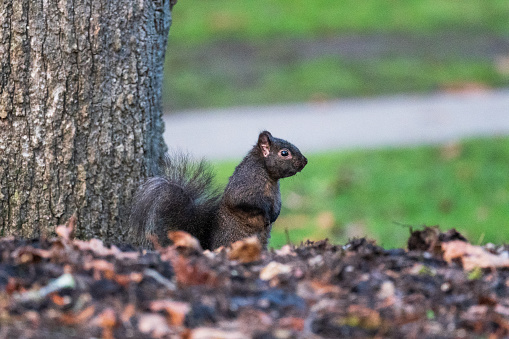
(224, 53)
(380, 193)
(198, 21)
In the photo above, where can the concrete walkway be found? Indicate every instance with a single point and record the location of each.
(344, 124)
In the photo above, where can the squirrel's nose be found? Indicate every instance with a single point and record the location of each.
(303, 162)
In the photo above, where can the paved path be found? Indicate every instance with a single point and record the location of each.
(344, 124)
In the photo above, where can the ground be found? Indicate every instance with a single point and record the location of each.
(439, 287)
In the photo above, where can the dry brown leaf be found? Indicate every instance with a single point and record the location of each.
(58, 300)
(176, 310)
(122, 279)
(100, 266)
(472, 256)
(246, 250)
(80, 318)
(192, 274)
(98, 248)
(107, 320)
(136, 277)
(128, 313)
(321, 288)
(65, 231)
(185, 240)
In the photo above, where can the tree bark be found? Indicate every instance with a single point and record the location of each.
(80, 111)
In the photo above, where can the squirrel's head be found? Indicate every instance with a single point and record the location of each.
(282, 159)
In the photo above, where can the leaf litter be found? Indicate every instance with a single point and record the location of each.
(441, 286)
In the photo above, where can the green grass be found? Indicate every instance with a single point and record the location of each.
(379, 193)
(198, 76)
(199, 21)
(327, 78)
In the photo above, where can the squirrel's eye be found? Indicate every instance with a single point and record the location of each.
(285, 153)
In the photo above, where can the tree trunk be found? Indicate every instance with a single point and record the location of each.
(80, 111)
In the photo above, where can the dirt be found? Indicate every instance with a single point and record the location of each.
(439, 287)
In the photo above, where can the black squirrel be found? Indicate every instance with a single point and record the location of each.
(183, 197)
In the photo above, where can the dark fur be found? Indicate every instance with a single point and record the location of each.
(183, 198)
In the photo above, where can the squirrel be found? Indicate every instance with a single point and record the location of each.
(183, 197)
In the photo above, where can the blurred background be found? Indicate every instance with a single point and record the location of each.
(402, 108)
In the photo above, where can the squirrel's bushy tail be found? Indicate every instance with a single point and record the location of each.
(181, 197)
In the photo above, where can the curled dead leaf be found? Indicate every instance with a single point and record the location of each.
(246, 250)
(472, 256)
(65, 231)
(184, 240)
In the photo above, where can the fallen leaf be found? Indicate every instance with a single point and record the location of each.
(98, 248)
(107, 320)
(188, 273)
(176, 310)
(314, 290)
(80, 318)
(100, 266)
(122, 279)
(273, 269)
(128, 313)
(184, 240)
(246, 250)
(387, 290)
(321, 288)
(472, 256)
(58, 300)
(65, 231)
(286, 250)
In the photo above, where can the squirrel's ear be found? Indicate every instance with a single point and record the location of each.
(264, 142)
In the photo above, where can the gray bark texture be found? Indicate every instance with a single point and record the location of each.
(80, 111)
